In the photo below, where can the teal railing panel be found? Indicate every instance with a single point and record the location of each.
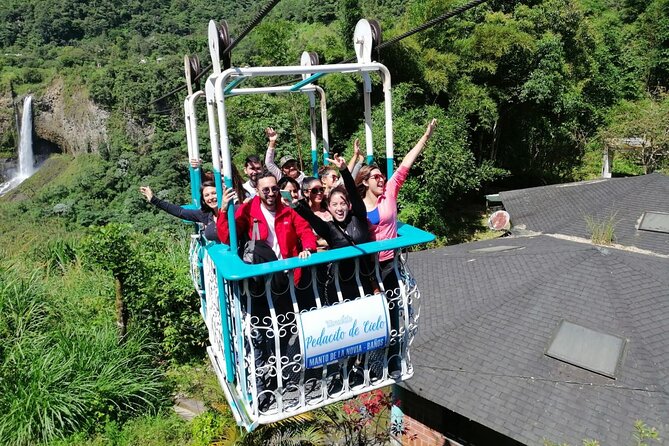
(231, 267)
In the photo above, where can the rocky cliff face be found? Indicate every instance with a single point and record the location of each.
(7, 123)
(70, 120)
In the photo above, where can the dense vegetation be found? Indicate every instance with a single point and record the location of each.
(526, 92)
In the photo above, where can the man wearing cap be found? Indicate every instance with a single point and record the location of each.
(287, 164)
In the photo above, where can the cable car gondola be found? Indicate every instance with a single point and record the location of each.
(282, 352)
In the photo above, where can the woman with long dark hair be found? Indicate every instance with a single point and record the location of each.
(345, 225)
(380, 199)
(208, 211)
(206, 215)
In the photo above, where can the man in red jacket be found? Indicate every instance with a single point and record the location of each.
(288, 234)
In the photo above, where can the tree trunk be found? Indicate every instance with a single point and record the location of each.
(121, 313)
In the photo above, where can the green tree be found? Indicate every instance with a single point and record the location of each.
(109, 247)
(654, 29)
(648, 121)
(348, 12)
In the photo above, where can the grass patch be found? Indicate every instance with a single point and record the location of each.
(60, 374)
(165, 428)
(8, 152)
(602, 231)
(197, 381)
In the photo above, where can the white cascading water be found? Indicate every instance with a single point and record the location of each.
(26, 157)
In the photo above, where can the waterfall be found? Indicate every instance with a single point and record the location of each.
(26, 157)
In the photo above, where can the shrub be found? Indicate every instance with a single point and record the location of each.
(152, 275)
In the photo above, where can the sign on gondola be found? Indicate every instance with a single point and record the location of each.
(348, 329)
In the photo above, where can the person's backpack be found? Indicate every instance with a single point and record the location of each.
(258, 251)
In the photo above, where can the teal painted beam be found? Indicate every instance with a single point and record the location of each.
(233, 84)
(307, 81)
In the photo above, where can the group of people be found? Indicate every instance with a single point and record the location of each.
(348, 204)
(288, 214)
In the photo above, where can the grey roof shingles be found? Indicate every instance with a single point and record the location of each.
(563, 208)
(487, 319)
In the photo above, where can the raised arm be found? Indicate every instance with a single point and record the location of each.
(356, 168)
(321, 227)
(269, 155)
(356, 154)
(195, 215)
(410, 157)
(357, 204)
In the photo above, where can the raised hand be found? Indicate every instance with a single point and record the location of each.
(411, 156)
(147, 192)
(229, 196)
(271, 135)
(430, 128)
(292, 203)
(338, 161)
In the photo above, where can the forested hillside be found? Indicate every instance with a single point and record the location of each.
(526, 93)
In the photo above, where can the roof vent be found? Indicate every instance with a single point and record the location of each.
(588, 349)
(654, 221)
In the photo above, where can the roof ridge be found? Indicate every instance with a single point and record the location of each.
(617, 246)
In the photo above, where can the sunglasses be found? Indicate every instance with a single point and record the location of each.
(317, 190)
(270, 190)
(334, 177)
(378, 177)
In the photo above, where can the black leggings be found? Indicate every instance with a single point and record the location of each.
(392, 286)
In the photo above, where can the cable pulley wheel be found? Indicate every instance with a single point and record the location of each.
(214, 45)
(192, 70)
(308, 59)
(376, 32)
(188, 72)
(376, 35)
(219, 40)
(366, 36)
(224, 43)
(196, 70)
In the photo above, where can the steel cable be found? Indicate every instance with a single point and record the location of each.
(256, 20)
(435, 21)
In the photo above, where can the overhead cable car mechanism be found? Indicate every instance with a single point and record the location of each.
(281, 348)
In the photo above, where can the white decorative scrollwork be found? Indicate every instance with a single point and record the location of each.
(213, 319)
(195, 256)
(271, 380)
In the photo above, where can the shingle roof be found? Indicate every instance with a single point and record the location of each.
(562, 209)
(487, 319)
